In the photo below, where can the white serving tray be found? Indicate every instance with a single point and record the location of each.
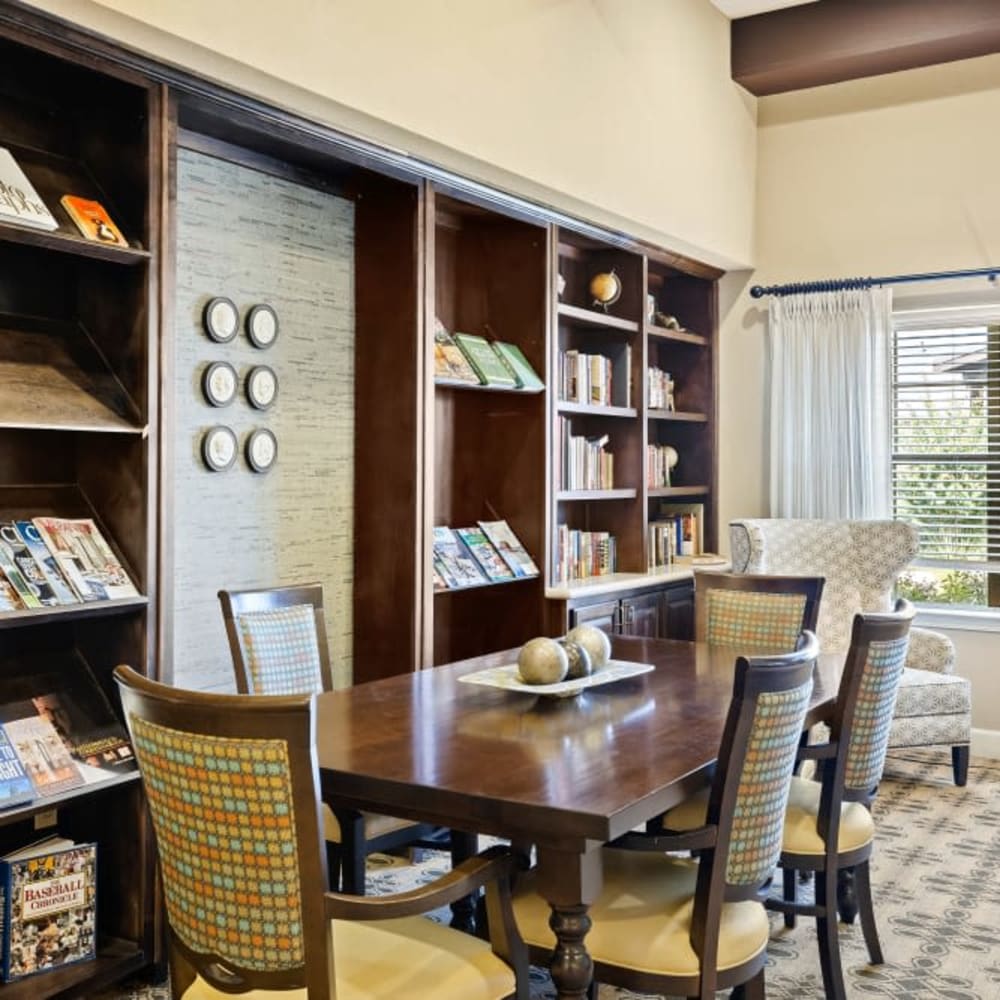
(508, 677)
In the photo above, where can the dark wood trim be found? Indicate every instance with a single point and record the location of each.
(821, 43)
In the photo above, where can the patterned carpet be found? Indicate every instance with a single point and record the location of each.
(934, 874)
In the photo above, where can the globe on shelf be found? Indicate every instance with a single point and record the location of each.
(606, 288)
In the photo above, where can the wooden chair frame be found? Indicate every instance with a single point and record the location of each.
(292, 720)
(347, 859)
(831, 758)
(810, 587)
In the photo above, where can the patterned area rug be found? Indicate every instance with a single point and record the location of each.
(934, 875)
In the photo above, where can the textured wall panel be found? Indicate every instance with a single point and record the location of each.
(256, 238)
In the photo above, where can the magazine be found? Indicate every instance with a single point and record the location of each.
(19, 201)
(46, 562)
(8, 568)
(15, 785)
(33, 574)
(484, 554)
(45, 757)
(453, 561)
(510, 548)
(85, 558)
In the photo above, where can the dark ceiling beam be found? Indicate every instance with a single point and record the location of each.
(835, 40)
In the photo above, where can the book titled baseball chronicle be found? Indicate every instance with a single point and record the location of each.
(484, 554)
(93, 221)
(85, 558)
(510, 548)
(19, 201)
(48, 902)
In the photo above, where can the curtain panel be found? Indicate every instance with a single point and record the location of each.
(829, 368)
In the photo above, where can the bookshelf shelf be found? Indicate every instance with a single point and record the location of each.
(578, 316)
(485, 586)
(597, 411)
(678, 491)
(48, 802)
(677, 416)
(676, 336)
(65, 242)
(469, 387)
(115, 960)
(70, 612)
(575, 495)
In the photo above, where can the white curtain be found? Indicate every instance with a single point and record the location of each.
(828, 370)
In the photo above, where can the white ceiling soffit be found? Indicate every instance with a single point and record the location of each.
(745, 8)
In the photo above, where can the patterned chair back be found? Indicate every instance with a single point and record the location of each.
(860, 561)
(277, 638)
(867, 699)
(747, 611)
(231, 786)
(749, 793)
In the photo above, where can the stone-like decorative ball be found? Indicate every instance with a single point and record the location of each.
(542, 661)
(594, 641)
(579, 660)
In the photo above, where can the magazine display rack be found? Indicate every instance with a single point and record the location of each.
(78, 440)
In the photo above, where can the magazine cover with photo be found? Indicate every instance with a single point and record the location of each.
(484, 553)
(49, 907)
(85, 558)
(27, 564)
(510, 548)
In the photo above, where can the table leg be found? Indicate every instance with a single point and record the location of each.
(570, 882)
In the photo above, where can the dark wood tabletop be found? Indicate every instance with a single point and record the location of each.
(565, 774)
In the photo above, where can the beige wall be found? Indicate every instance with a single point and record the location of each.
(877, 177)
(621, 110)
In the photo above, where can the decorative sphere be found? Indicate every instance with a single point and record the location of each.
(542, 661)
(594, 641)
(579, 659)
(606, 288)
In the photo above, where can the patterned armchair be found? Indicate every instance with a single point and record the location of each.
(860, 561)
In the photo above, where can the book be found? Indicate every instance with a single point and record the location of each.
(510, 548)
(484, 360)
(9, 568)
(454, 562)
(85, 558)
(19, 201)
(46, 561)
(92, 220)
(26, 563)
(512, 356)
(450, 364)
(483, 552)
(41, 750)
(15, 785)
(48, 902)
(688, 521)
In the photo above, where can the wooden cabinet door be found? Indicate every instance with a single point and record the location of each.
(677, 620)
(641, 615)
(603, 615)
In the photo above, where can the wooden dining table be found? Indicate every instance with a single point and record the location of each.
(564, 774)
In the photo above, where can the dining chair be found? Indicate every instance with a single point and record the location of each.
(733, 609)
(277, 638)
(233, 792)
(685, 926)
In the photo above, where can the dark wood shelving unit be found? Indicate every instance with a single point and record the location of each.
(579, 316)
(678, 416)
(468, 386)
(568, 496)
(657, 333)
(596, 410)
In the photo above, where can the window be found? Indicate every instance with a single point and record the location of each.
(946, 451)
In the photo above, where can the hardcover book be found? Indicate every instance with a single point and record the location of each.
(484, 554)
(26, 563)
(85, 558)
(48, 763)
(454, 562)
(48, 899)
(450, 364)
(15, 785)
(92, 220)
(512, 356)
(46, 561)
(510, 548)
(19, 201)
(488, 366)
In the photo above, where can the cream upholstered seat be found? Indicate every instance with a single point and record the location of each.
(674, 925)
(860, 561)
(277, 638)
(232, 789)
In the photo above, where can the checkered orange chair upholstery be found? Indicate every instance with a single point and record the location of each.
(673, 925)
(232, 788)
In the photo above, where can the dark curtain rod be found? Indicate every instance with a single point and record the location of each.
(840, 284)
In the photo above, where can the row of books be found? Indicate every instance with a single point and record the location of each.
(584, 554)
(660, 390)
(584, 463)
(21, 204)
(48, 561)
(678, 531)
(489, 552)
(595, 378)
(468, 359)
(660, 461)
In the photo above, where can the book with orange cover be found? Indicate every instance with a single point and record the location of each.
(92, 220)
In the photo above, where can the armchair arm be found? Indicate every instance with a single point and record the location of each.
(930, 651)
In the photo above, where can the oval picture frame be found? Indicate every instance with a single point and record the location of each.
(261, 450)
(262, 326)
(219, 448)
(220, 383)
(221, 319)
(262, 387)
